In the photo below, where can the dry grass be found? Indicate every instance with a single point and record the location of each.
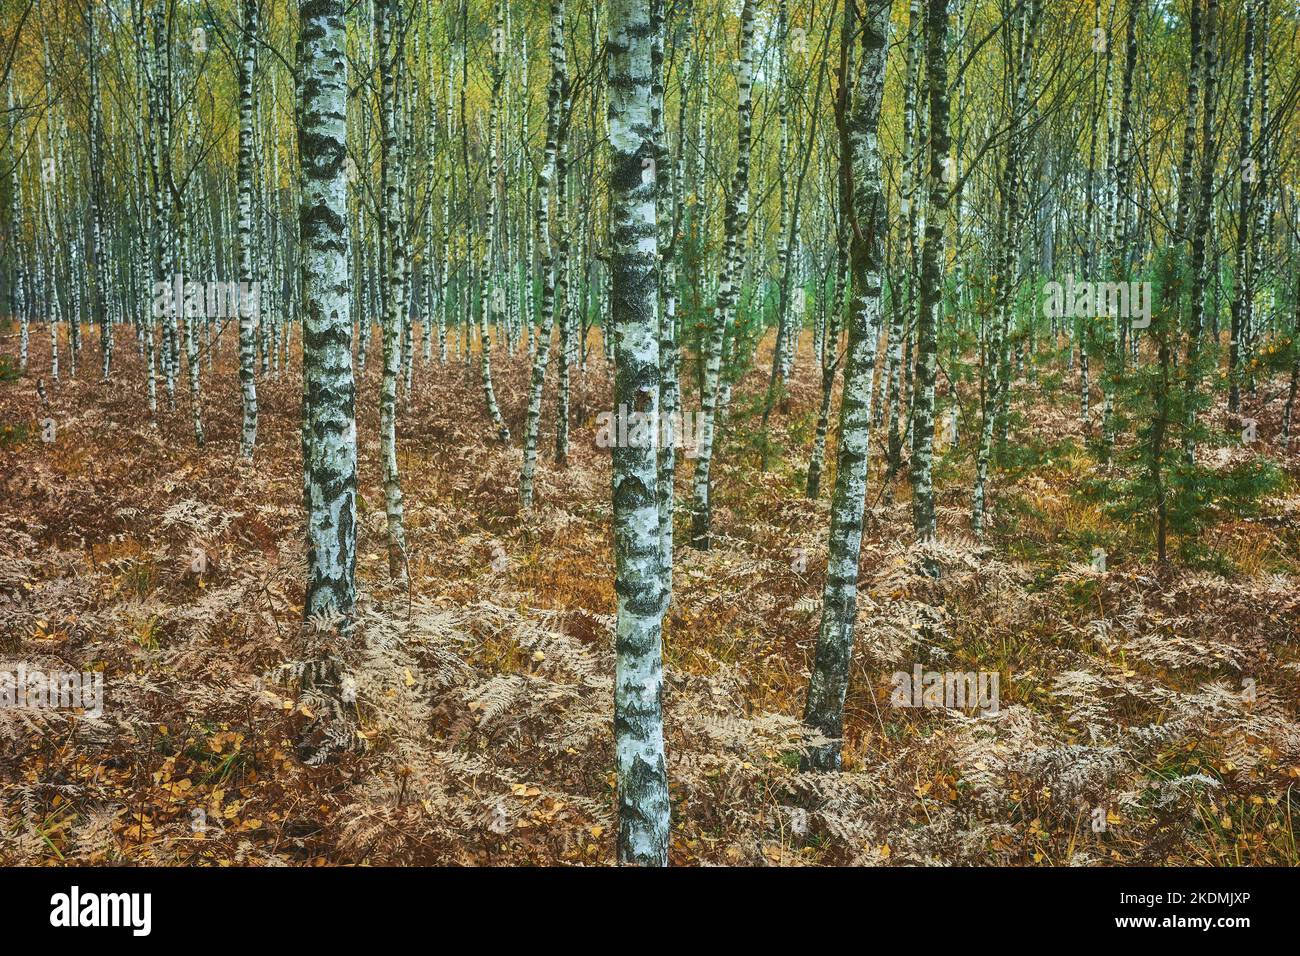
(483, 691)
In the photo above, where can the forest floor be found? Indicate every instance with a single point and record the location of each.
(1145, 716)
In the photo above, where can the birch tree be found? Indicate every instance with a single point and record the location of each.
(492, 298)
(244, 239)
(861, 170)
(1248, 175)
(17, 305)
(556, 133)
(1006, 245)
(728, 283)
(903, 311)
(633, 312)
(98, 272)
(392, 164)
(1207, 110)
(329, 391)
(932, 271)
